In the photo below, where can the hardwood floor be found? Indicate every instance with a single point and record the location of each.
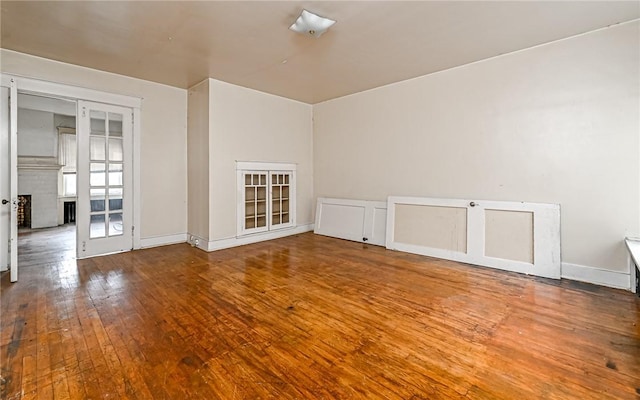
(47, 245)
(310, 317)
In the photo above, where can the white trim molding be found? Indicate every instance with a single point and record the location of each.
(633, 260)
(255, 238)
(156, 241)
(137, 204)
(197, 241)
(596, 276)
(39, 86)
(265, 166)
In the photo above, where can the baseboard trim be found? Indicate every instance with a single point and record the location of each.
(220, 244)
(197, 241)
(597, 276)
(156, 241)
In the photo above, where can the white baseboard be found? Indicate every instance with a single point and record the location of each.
(197, 241)
(156, 241)
(258, 237)
(603, 277)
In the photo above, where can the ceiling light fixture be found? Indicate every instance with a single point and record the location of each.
(311, 24)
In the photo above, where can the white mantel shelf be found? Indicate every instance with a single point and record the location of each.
(40, 166)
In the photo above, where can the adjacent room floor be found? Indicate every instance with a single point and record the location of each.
(310, 317)
(46, 245)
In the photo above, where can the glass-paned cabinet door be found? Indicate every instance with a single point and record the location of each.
(266, 196)
(281, 189)
(255, 201)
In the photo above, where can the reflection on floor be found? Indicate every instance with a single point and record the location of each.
(47, 245)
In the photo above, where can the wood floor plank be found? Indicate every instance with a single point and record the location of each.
(307, 317)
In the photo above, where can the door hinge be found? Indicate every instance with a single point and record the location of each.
(84, 245)
(84, 112)
(133, 228)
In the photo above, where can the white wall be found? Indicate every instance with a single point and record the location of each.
(38, 136)
(558, 123)
(163, 161)
(247, 125)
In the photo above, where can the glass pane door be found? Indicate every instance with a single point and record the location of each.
(280, 188)
(104, 179)
(255, 201)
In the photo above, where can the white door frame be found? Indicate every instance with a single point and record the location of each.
(36, 86)
(5, 189)
(13, 180)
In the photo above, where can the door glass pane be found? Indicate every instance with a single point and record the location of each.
(262, 193)
(94, 192)
(97, 122)
(97, 228)
(97, 203)
(115, 125)
(250, 210)
(115, 224)
(115, 149)
(115, 204)
(115, 193)
(97, 148)
(250, 194)
(97, 176)
(115, 174)
(261, 208)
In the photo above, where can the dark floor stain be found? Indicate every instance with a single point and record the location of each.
(611, 365)
(192, 361)
(638, 391)
(290, 308)
(14, 344)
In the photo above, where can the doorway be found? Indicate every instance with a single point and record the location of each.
(84, 160)
(47, 171)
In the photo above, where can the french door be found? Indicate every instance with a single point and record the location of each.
(9, 180)
(104, 181)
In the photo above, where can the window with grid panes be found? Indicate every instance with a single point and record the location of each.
(267, 198)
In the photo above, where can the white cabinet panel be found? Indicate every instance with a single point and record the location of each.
(514, 236)
(357, 220)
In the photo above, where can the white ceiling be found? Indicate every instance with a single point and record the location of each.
(247, 43)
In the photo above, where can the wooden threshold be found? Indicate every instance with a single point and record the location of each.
(310, 317)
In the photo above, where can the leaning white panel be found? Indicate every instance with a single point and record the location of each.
(356, 220)
(545, 234)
